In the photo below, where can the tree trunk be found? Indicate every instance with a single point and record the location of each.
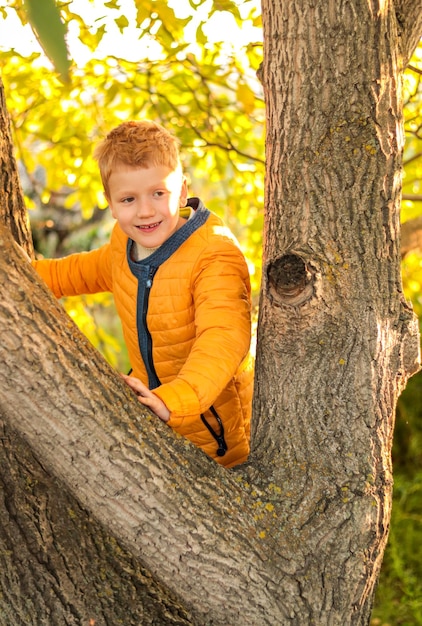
(12, 206)
(107, 516)
(57, 564)
(336, 341)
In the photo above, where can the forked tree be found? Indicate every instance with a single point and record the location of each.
(106, 516)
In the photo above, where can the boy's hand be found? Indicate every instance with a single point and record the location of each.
(146, 397)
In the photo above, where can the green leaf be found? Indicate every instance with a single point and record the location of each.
(226, 5)
(122, 22)
(44, 17)
(200, 36)
(196, 3)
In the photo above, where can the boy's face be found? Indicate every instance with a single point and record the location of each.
(146, 201)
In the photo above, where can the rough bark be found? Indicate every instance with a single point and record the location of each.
(408, 16)
(57, 564)
(296, 536)
(336, 339)
(12, 206)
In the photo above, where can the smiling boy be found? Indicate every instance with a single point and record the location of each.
(146, 202)
(181, 288)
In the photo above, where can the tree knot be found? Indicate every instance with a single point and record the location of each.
(290, 280)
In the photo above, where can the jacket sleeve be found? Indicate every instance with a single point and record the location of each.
(221, 292)
(76, 274)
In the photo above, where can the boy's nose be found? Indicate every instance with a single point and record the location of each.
(143, 208)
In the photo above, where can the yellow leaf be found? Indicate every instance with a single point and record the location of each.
(246, 96)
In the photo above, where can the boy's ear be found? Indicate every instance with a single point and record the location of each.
(184, 192)
(110, 206)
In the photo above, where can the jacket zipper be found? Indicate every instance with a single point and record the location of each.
(154, 381)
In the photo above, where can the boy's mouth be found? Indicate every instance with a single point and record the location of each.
(147, 227)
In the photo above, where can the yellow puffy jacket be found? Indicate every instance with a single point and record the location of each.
(185, 312)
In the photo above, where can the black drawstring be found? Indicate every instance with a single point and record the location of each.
(222, 446)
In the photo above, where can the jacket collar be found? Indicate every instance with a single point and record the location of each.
(175, 241)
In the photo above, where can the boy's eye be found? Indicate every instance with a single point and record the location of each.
(127, 200)
(158, 194)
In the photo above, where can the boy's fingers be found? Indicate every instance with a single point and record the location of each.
(136, 385)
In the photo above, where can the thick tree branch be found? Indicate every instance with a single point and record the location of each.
(78, 569)
(125, 466)
(409, 18)
(12, 207)
(411, 237)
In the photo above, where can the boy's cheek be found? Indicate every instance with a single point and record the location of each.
(112, 211)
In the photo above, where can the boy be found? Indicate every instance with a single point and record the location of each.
(182, 291)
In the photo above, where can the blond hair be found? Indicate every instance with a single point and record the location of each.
(136, 144)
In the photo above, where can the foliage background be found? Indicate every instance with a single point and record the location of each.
(191, 65)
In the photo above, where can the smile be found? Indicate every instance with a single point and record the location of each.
(148, 226)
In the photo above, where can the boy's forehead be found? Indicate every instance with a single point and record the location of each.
(151, 167)
(128, 174)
